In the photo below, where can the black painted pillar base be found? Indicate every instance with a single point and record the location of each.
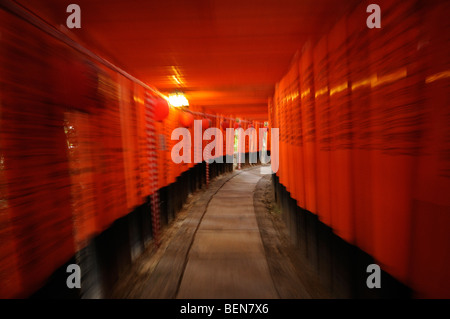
(340, 266)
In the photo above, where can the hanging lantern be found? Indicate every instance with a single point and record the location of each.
(161, 109)
(225, 124)
(206, 123)
(186, 119)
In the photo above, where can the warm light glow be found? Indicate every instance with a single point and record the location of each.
(178, 100)
(438, 76)
(339, 88)
(365, 82)
(138, 100)
(322, 91)
(305, 93)
(391, 77)
(177, 76)
(176, 79)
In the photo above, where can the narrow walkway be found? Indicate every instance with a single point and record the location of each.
(227, 259)
(228, 242)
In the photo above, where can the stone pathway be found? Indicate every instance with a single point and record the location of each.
(227, 259)
(228, 242)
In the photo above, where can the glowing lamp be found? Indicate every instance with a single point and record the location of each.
(186, 119)
(178, 100)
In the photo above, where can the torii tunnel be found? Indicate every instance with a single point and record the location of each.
(239, 149)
